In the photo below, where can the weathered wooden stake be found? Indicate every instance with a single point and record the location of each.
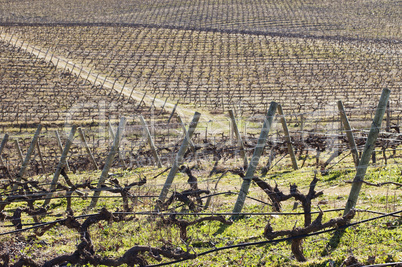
(3, 144)
(191, 144)
(28, 155)
(368, 150)
(287, 138)
(163, 107)
(84, 141)
(179, 158)
(19, 152)
(239, 139)
(151, 142)
(152, 104)
(142, 99)
(40, 156)
(255, 159)
(349, 133)
(171, 114)
(387, 128)
(111, 130)
(121, 158)
(61, 147)
(60, 166)
(302, 127)
(109, 161)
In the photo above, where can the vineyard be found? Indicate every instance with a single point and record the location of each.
(200, 133)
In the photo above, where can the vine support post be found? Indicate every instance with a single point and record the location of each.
(2, 145)
(172, 113)
(62, 163)
(151, 142)
(142, 99)
(179, 158)
(185, 132)
(19, 152)
(349, 133)
(120, 154)
(368, 150)
(238, 139)
(61, 147)
(287, 138)
(40, 156)
(388, 118)
(108, 163)
(84, 141)
(255, 159)
(28, 156)
(301, 127)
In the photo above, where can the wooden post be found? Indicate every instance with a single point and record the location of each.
(287, 138)
(40, 156)
(349, 134)
(238, 138)
(118, 149)
(152, 103)
(142, 99)
(255, 159)
(163, 107)
(19, 152)
(28, 155)
(151, 142)
(179, 158)
(368, 150)
(388, 118)
(111, 130)
(301, 127)
(185, 131)
(61, 147)
(60, 166)
(171, 114)
(108, 163)
(84, 141)
(3, 144)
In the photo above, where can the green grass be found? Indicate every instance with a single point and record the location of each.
(380, 238)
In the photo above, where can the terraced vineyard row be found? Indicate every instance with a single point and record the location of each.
(34, 91)
(216, 70)
(320, 19)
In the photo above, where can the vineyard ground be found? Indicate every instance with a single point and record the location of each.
(373, 242)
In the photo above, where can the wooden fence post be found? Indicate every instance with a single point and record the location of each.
(60, 166)
(28, 156)
(82, 136)
(179, 158)
(61, 147)
(109, 161)
(255, 159)
(287, 138)
(238, 138)
(151, 142)
(349, 133)
(368, 150)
